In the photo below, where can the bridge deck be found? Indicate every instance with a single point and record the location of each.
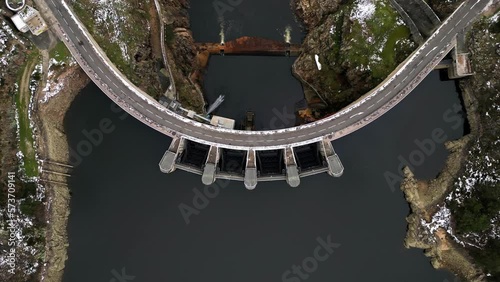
(365, 110)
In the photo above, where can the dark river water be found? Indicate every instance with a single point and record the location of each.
(126, 224)
(263, 18)
(263, 85)
(125, 212)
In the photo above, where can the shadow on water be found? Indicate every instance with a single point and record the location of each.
(263, 85)
(125, 216)
(443, 75)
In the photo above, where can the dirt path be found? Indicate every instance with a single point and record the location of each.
(25, 80)
(23, 107)
(154, 23)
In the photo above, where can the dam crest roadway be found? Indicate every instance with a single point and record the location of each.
(216, 152)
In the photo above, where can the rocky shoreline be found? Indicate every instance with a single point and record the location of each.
(53, 146)
(181, 53)
(427, 199)
(424, 197)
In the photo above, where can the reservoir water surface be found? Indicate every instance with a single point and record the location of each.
(125, 212)
(125, 216)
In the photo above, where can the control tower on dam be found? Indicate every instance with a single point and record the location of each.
(251, 166)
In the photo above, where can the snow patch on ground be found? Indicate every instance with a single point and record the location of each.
(440, 219)
(53, 85)
(3, 37)
(51, 89)
(6, 34)
(318, 64)
(363, 10)
(400, 21)
(495, 17)
(375, 58)
(111, 15)
(476, 172)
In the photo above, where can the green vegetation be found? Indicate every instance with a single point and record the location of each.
(333, 56)
(30, 206)
(126, 27)
(360, 53)
(495, 27)
(21, 80)
(389, 52)
(476, 212)
(153, 92)
(169, 34)
(481, 207)
(489, 258)
(188, 99)
(379, 54)
(60, 53)
(22, 98)
(84, 14)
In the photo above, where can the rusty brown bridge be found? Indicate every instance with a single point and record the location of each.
(250, 46)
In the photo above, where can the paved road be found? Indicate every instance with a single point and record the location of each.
(360, 113)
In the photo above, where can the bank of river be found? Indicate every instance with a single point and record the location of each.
(125, 215)
(125, 212)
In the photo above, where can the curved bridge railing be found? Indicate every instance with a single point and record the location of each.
(355, 116)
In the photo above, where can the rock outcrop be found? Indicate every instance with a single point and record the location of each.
(181, 53)
(312, 12)
(425, 197)
(178, 35)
